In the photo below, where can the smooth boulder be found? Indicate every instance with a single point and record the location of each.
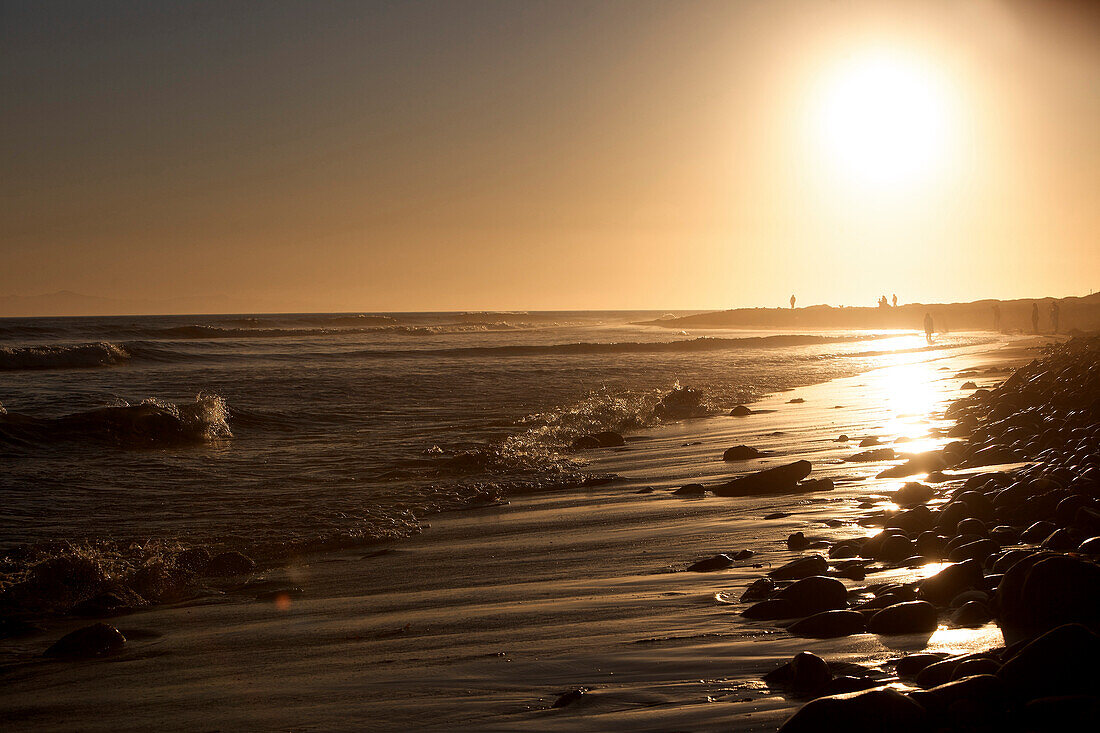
(870, 711)
(97, 640)
(741, 453)
(911, 617)
(776, 480)
(803, 567)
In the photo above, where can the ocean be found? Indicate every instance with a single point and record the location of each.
(132, 437)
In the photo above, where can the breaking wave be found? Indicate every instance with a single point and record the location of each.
(20, 358)
(149, 423)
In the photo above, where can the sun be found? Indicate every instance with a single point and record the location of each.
(883, 120)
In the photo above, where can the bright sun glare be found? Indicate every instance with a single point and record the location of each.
(883, 120)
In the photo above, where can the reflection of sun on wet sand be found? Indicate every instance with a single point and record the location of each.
(565, 612)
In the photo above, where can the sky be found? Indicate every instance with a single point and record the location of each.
(461, 155)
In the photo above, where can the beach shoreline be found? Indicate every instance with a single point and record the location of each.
(458, 626)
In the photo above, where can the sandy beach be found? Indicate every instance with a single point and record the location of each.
(493, 613)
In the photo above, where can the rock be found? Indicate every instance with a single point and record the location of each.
(843, 438)
(740, 453)
(938, 673)
(806, 674)
(913, 493)
(912, 617)
(1045, 591)
(797, 542)
(1060, 540)
(867, 442)
(830, 624)
(681, 402)
(718, 562)
(870, 711)
(972, 614)
(740, 411)
(911, 665)
(760, 589)
(894, 548)
(803, 567)
(978, 550)
(606, 439)
(951, 581)
(56, 584)
(1061, 713)
(796, 401)
(867, 456)
(193, 560)
(97, 640)
(1063, 661)
(769, 481)
(815, 593)
(770, 610)
(569, 697)
(690, 490)
(920, 463)
(968, 385)
(985, 695)
(228, 564)
(976, 666)
(743, 555)
(777, 515)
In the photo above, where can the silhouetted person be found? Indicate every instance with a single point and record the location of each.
(1035, 317)
(928, 327)
(895, 300)
(792, 301)
(1054, 315)
(997, 317)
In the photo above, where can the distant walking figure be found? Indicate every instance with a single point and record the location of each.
(1054, 315)
(792, 301)
(997, 317)
(1035, 317)
(928, 327)
(895, 300)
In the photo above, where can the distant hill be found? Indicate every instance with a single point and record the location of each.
(68, 303)
(1081, 313)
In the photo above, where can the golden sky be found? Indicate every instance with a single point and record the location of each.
(550, 155)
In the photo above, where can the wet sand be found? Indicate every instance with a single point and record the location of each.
(488, 616)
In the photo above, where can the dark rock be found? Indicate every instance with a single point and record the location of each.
(867, 456)
(740, 411)
(1061, 713)
(912, 617)
(951, 581)
(770, 610)
(968, 385)
(797, 542)
(867, 442)
(984, 695)
(718, 562)
(806, 675)
(830, 624)
(769, 481)
(1063, 661)
(815, 593)
(740, 453)
(193, 560)
(690, 490)
(228, 564)
(760, 589)
(777, 515)
(979, 550)
(976, 666)
(911, 665)
(894, 548)
(97, 640)
(843, 438)
(569, 697)
(871, 711)
(1060, 540)
(803, 567)
(681, 402)
(938, 673)
(1045, 591)
(796, 401)
(913, 493)
(972, 614)
(743, 555)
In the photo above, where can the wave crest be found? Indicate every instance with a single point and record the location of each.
(22, 358)
(151, 422)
